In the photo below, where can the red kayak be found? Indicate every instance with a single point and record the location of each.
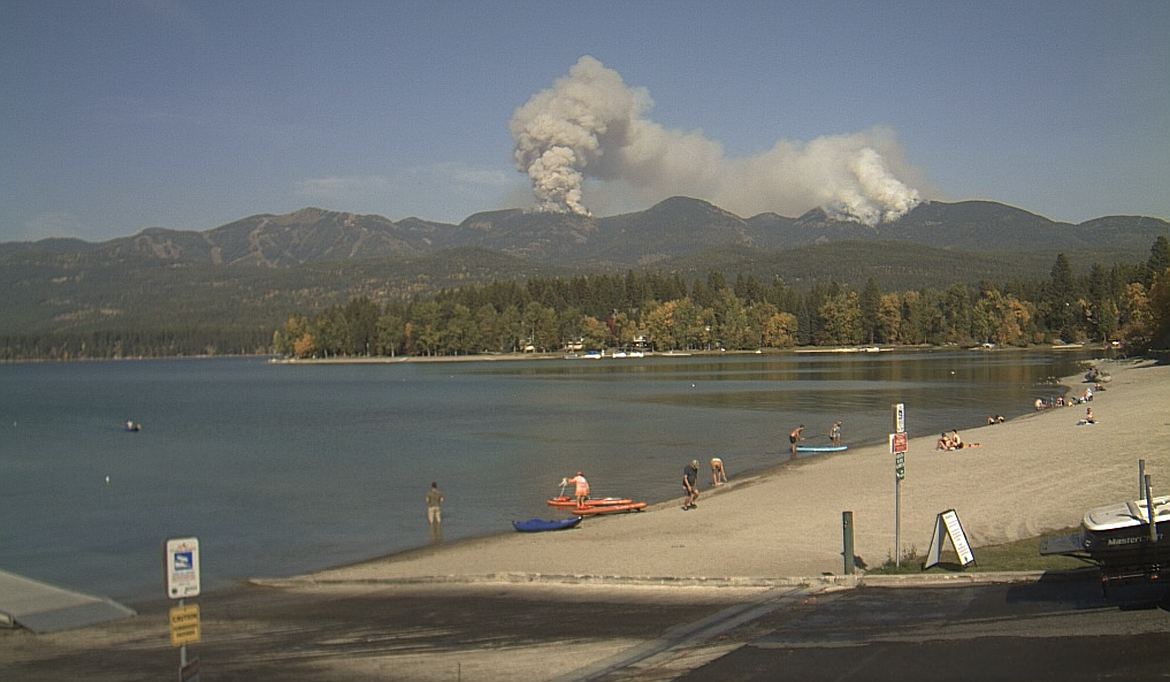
(600, 502)
(610, 508)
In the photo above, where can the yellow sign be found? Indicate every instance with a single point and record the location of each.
(184, 625)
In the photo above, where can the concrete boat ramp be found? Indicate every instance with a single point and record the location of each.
(42, 608)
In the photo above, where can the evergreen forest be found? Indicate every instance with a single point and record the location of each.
(1126, 305)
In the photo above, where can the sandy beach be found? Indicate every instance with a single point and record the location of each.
(498, 608)
(1028, 476)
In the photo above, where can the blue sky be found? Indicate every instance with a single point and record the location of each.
(116, 116)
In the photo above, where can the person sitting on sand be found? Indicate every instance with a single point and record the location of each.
(957, 441)
(718, 475)
(1089, 418)
(944, 443)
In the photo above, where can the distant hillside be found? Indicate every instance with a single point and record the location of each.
(673, 228)
(250, 273)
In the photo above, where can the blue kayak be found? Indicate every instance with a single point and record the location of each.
(538, 525)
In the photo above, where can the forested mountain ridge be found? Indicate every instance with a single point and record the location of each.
(226, 289)
(678, 226)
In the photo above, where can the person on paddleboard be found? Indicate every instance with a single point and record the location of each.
(581, 488)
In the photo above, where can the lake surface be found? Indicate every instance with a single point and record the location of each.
(283, 469)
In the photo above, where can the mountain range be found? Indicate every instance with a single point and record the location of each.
(676, 227)
(253, 272)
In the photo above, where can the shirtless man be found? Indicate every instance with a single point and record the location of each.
(794, 437)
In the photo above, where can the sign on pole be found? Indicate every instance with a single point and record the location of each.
(184, 625)
(898, 450)
(182, 566)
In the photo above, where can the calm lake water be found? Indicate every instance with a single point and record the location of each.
(283, 469)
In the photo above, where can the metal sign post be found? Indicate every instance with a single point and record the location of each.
(181, 562)
(898, 449)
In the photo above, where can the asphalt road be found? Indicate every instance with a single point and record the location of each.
(1047, 630)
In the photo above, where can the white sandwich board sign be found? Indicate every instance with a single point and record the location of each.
(947, 525)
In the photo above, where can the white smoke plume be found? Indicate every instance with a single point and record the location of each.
(590, 124)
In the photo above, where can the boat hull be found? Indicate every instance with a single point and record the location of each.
(1118, 536)
(542, 525)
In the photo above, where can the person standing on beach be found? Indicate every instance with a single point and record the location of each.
(580, 488)
(718, 475)
(835, 434)
(434, 510)
(794, 437)
(691, 485)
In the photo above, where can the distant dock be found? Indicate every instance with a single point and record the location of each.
(44, 608)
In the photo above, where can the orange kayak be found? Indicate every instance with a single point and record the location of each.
(600, 502)
(610, 508)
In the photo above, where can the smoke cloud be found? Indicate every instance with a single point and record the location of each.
(591, 125)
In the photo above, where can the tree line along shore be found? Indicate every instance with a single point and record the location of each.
(1126, 305)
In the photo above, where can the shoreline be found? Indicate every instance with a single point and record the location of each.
(566, 355)
(1032, 474)
(746, 478)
